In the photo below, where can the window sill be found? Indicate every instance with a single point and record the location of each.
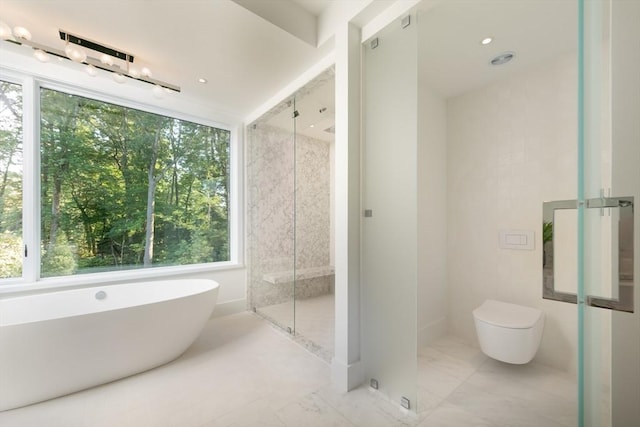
(106, 278)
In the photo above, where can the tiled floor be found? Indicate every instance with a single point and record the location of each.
(244, 372)
(471, 389)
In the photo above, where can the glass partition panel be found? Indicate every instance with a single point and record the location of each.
(609, 370)
(271, 215)
(389, 226)
(594, 227)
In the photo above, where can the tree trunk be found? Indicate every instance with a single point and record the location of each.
(5, 178)
(60, 172)
(55, 210)
(151, 201)
(173, 194)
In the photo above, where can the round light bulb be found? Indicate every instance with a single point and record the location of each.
(41, 55)
(5, 31)
(75, 53)
(486, 40)
(158, 92)
(22, 33)
(118, 77)
(202, 80)
(91, 70)
(106, 59)
(146, 72)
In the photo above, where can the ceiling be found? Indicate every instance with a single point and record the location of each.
(316, 7)
(453, 61)
(244, 58)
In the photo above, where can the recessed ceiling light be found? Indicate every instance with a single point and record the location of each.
(486, 40)
(202, 80)
(312, 126)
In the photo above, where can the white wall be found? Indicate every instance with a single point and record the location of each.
(511, 146)
(432, 215)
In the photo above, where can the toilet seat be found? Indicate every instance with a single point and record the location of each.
(506, 315)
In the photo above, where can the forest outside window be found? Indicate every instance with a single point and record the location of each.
(125, 189)
(10, 180)
(120, 188)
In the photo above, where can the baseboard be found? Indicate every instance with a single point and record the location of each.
(432, 332)
(346, 377)
(229, 307)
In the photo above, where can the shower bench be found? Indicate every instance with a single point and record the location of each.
(300, 274)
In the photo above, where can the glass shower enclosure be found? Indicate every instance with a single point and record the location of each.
(289, 183)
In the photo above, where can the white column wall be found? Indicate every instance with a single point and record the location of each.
(346, 367)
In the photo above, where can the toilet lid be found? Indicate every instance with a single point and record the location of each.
(507, 315)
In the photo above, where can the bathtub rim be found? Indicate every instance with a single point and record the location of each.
(92, 290)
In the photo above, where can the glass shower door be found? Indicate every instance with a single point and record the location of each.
(289, 215)
(608, 188)
(608, 226)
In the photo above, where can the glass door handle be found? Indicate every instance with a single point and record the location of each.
(624, 302)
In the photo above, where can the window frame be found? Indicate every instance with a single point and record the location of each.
(31, 280)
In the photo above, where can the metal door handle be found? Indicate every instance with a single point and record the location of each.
(625, 253)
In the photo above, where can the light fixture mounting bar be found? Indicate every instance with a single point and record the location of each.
(93, 61)
(98, 47)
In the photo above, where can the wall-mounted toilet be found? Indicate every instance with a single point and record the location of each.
(508, 332)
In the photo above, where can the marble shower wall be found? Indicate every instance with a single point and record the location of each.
(277, 216)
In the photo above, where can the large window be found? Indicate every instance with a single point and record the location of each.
(120, 188)
(10, 180)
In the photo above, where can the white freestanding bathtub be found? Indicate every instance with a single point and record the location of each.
(56, 343)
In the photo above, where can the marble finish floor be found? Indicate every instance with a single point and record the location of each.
(244, 372)
(459, 386)
(314, 322)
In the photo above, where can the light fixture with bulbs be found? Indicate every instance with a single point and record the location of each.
(79, 49)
